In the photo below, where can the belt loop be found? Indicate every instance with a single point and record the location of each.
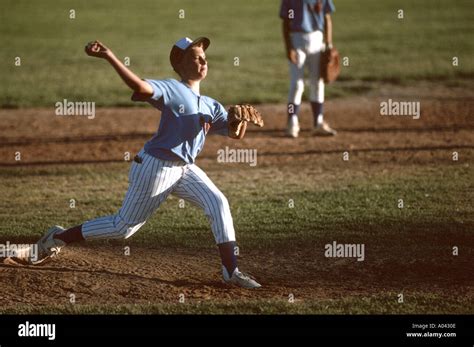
(138, 159)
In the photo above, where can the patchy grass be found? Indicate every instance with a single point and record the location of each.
(384, 303)
(436, 201)
(378, 44)
(404, 246)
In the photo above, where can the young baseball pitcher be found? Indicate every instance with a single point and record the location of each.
(166, 164)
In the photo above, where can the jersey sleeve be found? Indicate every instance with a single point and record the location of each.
(329, 8)
(160, 90)
(284, 8)
(219, 121)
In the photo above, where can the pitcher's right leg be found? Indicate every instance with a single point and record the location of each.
(150, 183)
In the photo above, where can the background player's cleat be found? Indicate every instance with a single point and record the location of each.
(48, 246)
(293, 128)
(324, 130)
(240, 279)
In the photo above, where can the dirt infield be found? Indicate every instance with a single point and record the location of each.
(445, 125)
(101, 275)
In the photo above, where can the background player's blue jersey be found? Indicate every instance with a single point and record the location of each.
(182, 131)
(305, 17)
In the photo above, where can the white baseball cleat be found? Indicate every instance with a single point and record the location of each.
(47, 248)
(240, 279)
(293, 128)
(324, 130)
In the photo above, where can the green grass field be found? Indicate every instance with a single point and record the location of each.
(379, 46)
(378, 304)
(437, 202)
(350, 207)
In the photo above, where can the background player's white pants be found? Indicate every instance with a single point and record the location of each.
(150, 183)
(308, 48)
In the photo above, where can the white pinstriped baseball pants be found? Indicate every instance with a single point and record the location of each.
(150, 183)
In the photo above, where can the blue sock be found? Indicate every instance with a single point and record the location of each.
(293, 109)
(317, 108)
(228, 257)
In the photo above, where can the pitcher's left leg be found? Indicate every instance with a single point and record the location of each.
(197, 188)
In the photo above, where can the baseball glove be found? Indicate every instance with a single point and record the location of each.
(330, 65)
(238, 114)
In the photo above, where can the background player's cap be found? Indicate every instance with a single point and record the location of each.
(182, 45)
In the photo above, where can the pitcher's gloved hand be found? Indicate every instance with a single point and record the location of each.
(238, 114)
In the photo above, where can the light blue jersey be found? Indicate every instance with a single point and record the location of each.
(185, 119)
(304, 15)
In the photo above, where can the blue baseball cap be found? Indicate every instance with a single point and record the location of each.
(182, 45)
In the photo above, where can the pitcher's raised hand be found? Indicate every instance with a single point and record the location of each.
(97, 49)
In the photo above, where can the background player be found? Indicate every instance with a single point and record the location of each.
(166, 163)
(306, 23)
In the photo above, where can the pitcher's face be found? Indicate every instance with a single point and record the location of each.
(193, 66)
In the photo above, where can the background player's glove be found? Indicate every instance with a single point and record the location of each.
(330, 66)
(238, 114)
